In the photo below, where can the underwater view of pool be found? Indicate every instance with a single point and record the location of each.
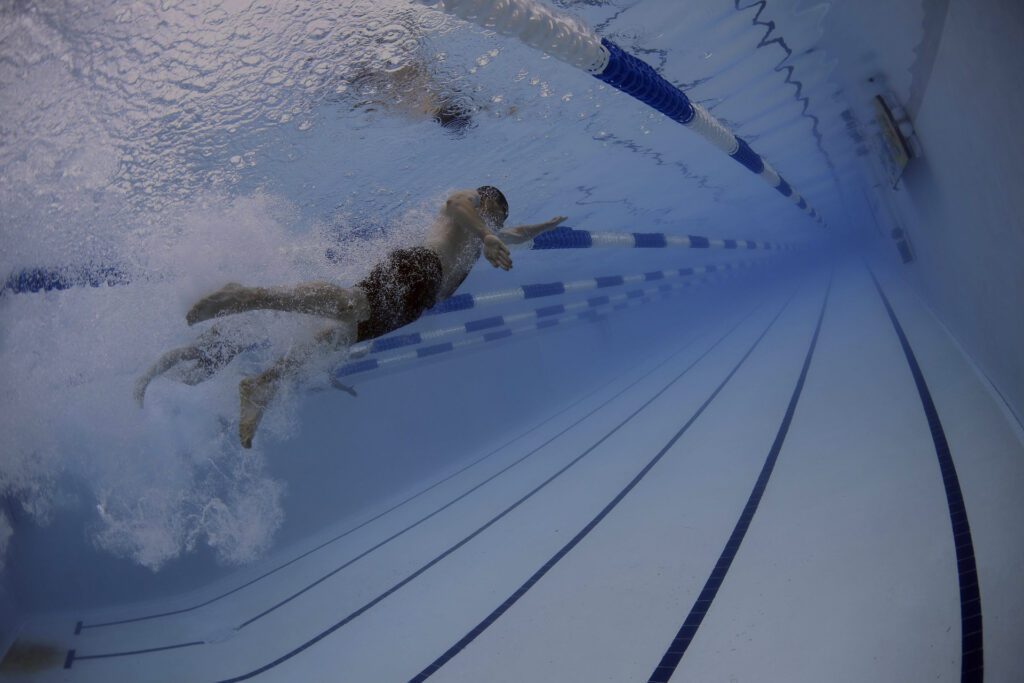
(743, 408)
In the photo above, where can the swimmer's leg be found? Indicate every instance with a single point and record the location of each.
(255, 393)
(200, 351)
(165, 363)
(313, 298)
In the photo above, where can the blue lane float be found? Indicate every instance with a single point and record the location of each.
(571, 238)
(590, 312)
(463, 302)
(569, 40)
(31, 280)
(501, 326)
(639, 80)
(494, 322)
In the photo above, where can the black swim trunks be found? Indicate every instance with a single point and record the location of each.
(399, 289)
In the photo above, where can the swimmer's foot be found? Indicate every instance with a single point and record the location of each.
(254, 393)
(230, 298)
(140, 390)
(343, 387)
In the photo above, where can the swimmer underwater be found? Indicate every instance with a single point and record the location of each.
(395, 293)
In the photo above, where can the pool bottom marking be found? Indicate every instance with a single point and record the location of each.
(481, 529)
(512, 599)
(972, 660)
(463, 495)
(674, 654)
(79, 626)
(466, 493)
(72, 656)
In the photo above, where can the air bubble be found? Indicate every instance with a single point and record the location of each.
(318, 29)
(391, 34)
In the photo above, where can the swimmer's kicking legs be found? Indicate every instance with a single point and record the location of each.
(346, 306)
(202, 359)
(208, 354)
(255, 393)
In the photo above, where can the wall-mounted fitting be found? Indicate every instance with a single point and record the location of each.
(899, 143)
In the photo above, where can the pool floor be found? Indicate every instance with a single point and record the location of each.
(767, 502)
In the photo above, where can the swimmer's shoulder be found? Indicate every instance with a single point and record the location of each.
(461, 196)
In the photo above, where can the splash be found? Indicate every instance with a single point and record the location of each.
(169, 477)
(191, 143)
(165, 480)
(111, 114)
(162, 138)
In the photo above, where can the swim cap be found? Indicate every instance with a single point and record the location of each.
(495, 195)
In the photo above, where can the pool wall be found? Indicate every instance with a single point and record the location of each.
(957, 203)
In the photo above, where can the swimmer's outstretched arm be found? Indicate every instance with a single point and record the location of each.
(525, 233)
(463, 213)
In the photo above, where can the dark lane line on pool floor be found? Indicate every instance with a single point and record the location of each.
(72, 656)
(677, 648)
(512, 599)
(497, 517)
(463, 495)
(972, 660)
(81, 625)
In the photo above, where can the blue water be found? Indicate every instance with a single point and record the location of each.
(188, 144)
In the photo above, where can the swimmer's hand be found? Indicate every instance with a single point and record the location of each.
(496, 252)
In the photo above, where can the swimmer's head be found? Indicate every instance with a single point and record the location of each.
(453, 117)
(493, 205)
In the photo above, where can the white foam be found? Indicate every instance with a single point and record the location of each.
(171, 477)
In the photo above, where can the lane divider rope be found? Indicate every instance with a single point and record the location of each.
(569, 40)
(390, 343)
(571, 238)
(586, 310)
(462, 302)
